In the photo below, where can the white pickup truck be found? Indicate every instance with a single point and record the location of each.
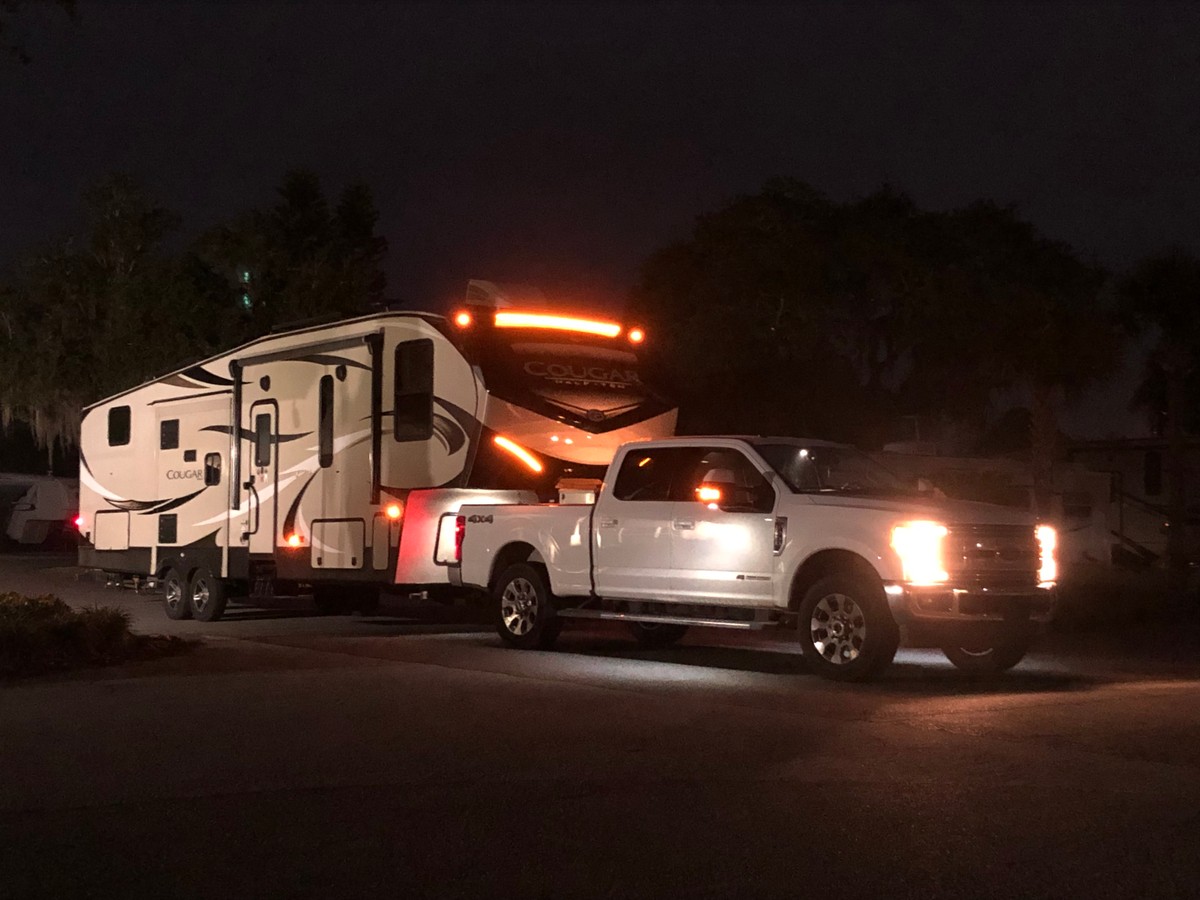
(747, 532)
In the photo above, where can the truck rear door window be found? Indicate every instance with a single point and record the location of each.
(413, 409)
(647, 475)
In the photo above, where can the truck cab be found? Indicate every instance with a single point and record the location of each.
(752, 532)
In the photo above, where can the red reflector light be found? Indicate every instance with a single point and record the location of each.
(79, 522)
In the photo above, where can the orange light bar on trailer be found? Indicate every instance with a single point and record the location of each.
(519, 452)
(557, 323)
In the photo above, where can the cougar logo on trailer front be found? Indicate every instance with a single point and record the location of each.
(573, 374)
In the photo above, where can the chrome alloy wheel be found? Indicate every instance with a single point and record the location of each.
(200, 594)
(519, 606)
(838, 629)
(173, 593)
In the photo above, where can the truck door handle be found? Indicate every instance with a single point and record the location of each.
(684, 524)
(608, 523)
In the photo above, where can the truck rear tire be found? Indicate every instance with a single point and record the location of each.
(997, 656)
(206, 596)
(525, 616)
(175, 595)
(653, 635)
(847, 632)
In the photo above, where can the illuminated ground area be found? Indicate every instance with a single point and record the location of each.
(299, 756)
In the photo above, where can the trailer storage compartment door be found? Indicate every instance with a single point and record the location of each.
(112, 530)
(338, 543)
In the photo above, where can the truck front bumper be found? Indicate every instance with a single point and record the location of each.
(931, 615)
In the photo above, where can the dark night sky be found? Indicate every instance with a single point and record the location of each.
(560, 143)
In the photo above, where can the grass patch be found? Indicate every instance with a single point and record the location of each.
(44, 634)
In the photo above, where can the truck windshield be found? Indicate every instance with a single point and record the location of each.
(825, 468)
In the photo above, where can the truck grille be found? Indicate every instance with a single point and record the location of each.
(996, 557)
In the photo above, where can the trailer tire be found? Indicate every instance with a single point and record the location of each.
(999, 656)
(175, 595)
(653, 635)
(525, 616)
(848, 617)
(206, 596)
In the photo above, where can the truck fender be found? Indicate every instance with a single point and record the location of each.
(827, 561)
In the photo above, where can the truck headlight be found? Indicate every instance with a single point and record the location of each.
(919, 546)
(1047, 539)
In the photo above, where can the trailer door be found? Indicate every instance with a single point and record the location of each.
(262, 481)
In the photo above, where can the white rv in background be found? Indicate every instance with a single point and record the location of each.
(327, 456)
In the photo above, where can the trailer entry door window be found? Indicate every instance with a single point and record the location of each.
(262, 440)
(168, 434)
(413, 413)
(118, 426)
(325, 422)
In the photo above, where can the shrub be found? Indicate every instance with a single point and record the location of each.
(41, 634)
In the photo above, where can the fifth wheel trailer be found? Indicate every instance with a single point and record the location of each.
(326, 456)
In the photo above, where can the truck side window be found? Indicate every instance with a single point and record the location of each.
(325, 422)
(647, 474)
(118, 426)
(413, 410)
(743, 487)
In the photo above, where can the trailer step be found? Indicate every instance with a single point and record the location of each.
(657, 619)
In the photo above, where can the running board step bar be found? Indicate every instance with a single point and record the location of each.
(744, 624)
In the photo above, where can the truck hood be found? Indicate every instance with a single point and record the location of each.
(948, 511)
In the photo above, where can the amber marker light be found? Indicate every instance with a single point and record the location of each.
(294, 540)
(519, 452)
(463, 319)
(557, 323)
(394, 510)
(706, 493)
(637, 335)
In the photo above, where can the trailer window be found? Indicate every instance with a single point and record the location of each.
(212, 469)
(262, 440)
(413, 411)
(325, 422)
(118, 426)
(168, 434)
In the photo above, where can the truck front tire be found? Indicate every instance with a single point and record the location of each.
(990, 658)
(525, 616)
(846, 630)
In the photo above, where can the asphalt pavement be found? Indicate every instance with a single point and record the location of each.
(410, 754)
